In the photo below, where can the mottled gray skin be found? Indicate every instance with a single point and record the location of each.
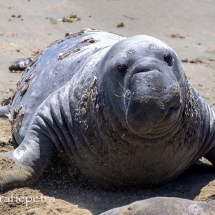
(165, 206)
(121, 109)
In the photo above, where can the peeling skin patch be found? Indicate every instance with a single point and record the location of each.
(17, 119)
(28, 67)
(18, 83)
(87, 104)
(53, 43)
(63, 55)
(82, 43)
(16, 111)
(69, 35)
(23, 90)
(89, 40)
(6, 101)
(76, 50)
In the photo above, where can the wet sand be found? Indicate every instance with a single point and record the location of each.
(186, 26)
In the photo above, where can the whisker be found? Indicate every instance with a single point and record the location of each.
(123, 95)
(121, 86)
(118, 96)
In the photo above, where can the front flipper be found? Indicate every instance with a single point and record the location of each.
(26, 163)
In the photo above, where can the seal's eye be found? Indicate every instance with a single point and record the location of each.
(168, 59)
(122, 69)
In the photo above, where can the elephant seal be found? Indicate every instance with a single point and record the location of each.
(120, 109)
(164, 206)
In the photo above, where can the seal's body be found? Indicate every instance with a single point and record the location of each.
(164, 205)
(120, 108)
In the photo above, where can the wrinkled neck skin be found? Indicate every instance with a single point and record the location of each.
(205, 125)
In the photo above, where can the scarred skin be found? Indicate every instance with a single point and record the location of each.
(121, 110)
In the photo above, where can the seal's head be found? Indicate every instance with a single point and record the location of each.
(145, 85)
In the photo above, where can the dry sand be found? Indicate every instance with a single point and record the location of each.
(193, 20)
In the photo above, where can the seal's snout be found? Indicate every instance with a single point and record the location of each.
(155, 100)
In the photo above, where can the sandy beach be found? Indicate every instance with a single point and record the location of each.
(27, 26)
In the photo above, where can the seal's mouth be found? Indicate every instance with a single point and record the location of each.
(173, 111)
(150, 120)
(168, 123)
